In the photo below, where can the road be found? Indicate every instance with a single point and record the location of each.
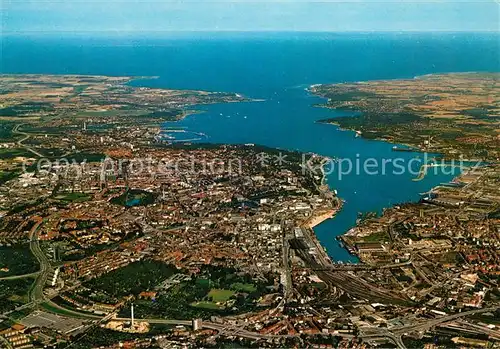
(395, 333)
(5, 342)
(26, 136)
(221, 328)
(387, 335)
(433, 322)
(36, 295)
(347, 281)
(492, 333)
(36, 291)
(208, 325)
(286, 266)
(359, 267)
(426, 291)
(23, 276)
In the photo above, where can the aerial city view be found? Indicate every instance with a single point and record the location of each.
(249, 174)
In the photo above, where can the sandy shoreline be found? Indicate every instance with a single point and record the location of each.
(319, 218)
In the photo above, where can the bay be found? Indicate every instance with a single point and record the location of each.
(277, 68)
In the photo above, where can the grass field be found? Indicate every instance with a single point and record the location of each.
(206, 305)
(13, 293)
(219, 295)
(72, 197)
(52, 309)
(7, 153)
(111, 113)
(214, 298)
(18, 259)
(64, 311)
(243, 287)
(8, 175)
(380, 236)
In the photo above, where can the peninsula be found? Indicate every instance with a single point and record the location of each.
(96, 99)
(452, 114)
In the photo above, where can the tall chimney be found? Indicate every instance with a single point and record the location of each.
(132, 315)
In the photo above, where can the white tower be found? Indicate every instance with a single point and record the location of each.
(196, 324)
(132, 315)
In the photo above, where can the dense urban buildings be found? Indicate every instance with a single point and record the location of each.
(115, 235)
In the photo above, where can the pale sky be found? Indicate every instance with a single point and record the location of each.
(19, 16)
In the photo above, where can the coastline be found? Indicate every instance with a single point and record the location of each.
(343, 238)
(191, 109)
(320, 216)
(353, 232)
(417, 112)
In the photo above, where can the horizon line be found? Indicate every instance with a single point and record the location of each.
(227, 31)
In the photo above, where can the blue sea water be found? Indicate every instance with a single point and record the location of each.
(275, 67)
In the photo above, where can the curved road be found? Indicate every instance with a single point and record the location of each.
(23, 276)
(36, 291)
(394, 334)
(26, 136)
